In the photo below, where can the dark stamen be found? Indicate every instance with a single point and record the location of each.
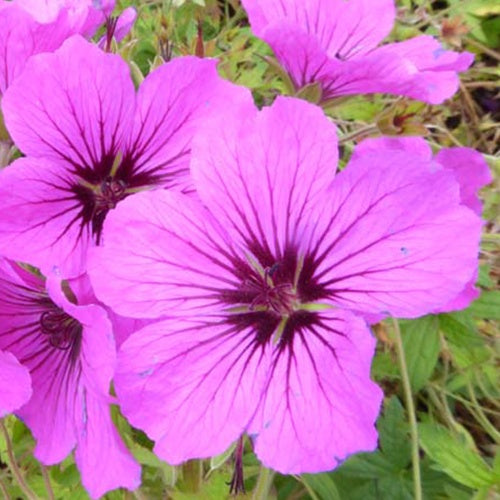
(64, 332)
(237, 483)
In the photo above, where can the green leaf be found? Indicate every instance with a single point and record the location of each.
(358, 108)
(147, 457)
(484, 278)
(215, 488)
(372, 476)
(460, 329)
(65, 476)
(323, 485)
(453, 456)
(220, 460)
(483, 7)
(487, 306)
(310, 92)
(466, 346)
(456, 493)
(368, 466)
(421, 345)
(393, 434)
(383, 366)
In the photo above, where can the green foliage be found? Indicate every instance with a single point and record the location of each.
(422, 347)
(453, 456)
(451, 358)
(487, 306)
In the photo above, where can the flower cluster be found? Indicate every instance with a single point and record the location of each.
(207, 257)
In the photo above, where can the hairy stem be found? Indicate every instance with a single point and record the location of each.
(481, 417)
(46, 480)
(16, 472)
(4, 491)
(360, 133)
(415, 458)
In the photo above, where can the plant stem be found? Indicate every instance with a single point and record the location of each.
(415, 458)
(264, 483)
(360, 133)
(16, 472)
(495, 238)
(192, 475)
(4, 491)
(484, 48)
(46, 480)
(481, 417)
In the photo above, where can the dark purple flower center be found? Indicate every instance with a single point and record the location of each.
(63, 331)
(276, 297)
(109, 193)
(280, 298)
(103, 186)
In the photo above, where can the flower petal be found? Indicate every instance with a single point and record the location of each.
(414, 146)
(260, 175)
(307, 62)
(41, 218)
(471, 172)
(320, 405)
(80, 16)
(301, 55)
(470, 169)
(15, 383)
(21, 37)
(95, 433)
(74, 105)
(190, 89)
(341, 28)
(395, 239)
(54, 401)
(104, 462)
(191, 384)
(432, 71)
(163, 254)
(124, 23)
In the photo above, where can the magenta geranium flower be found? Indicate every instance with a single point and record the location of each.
(30, 27)
(335, 43)
(15, 383)
(259, 290)
(90, 140)
(69, 351)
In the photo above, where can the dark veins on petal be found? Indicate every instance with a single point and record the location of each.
(37, 331)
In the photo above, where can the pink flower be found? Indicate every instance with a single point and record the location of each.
(91, 141)
(69, 351)
(15, 383)
(334, 43)
(471, 172)
(81, 16)
(30, 27)
(256, 289)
